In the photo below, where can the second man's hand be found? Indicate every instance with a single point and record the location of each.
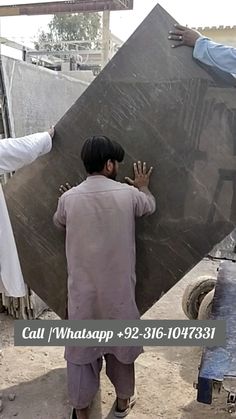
(141, 176)
(65, 188)
(184, 36)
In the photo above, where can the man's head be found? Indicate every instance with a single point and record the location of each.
(101, 156)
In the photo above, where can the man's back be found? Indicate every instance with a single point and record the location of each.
(99, 216)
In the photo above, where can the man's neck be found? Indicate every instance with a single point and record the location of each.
(96, 174)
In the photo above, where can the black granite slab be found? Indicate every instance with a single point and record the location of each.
(219, 363)
(164, 109)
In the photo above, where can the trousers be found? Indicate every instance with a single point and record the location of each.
(84, 380)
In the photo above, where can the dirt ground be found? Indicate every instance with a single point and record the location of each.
(165, 376)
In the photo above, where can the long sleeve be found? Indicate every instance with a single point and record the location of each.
(18, 152)
(215, 55)
(11, 278)
(59, 217)
(144, 202)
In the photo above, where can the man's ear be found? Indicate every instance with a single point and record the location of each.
(109, 165)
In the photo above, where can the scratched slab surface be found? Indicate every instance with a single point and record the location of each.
(164, 109)
(220, 363)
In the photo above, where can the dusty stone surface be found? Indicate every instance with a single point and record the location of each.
(165, 376)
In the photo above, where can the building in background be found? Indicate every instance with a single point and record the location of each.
(74, 57)
(221, 34)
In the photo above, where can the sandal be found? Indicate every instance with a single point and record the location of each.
(123, 413)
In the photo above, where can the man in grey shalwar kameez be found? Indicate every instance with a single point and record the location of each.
(99, 217)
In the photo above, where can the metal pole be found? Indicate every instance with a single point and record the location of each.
(24, 54)
(105, 37)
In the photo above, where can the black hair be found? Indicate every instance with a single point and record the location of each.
(97, 150)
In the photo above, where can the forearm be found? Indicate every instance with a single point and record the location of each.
(150, 197)
(215, 55)
(18, 152)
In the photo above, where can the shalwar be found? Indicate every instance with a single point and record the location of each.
(14, 154)
(99, 217)
(84, 380)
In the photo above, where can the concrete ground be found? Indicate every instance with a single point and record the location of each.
(165, 375)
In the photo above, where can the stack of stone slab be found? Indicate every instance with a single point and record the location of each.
(36, 99)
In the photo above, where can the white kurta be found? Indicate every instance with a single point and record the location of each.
(99, 216)
(14, 154)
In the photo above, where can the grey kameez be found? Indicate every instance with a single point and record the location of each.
(99, 216)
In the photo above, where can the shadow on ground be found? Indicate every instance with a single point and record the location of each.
(35, 398)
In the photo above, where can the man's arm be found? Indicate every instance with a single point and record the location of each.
(144, 201)
(215, 55)
(205, 50)
(59, 217)
(18, 152)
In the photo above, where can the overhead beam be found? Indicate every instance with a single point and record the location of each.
(72, 6)
(39, 53)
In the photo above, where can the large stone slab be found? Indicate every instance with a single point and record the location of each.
(164, 109)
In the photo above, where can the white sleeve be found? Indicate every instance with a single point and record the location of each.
(18, 152)
(215, 55)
